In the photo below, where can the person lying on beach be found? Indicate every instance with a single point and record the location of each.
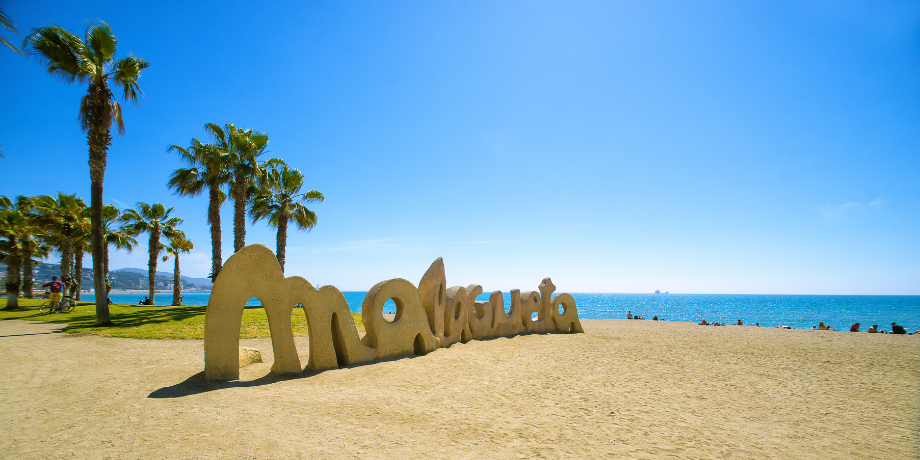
(873, 329)
(704, 322)
(854, 328)
(895, 329)
(822, 327)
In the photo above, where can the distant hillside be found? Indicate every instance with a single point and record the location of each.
(125, 278)
(143, 271)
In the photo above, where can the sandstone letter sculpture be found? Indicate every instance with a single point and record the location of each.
(428, 317)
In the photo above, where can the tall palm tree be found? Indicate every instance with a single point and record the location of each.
(155, 220)
(11, 220)
(208, 169)
(282, 202)
(177, 245)
(92, 60)
(119, 237)
(31, 237)
(34, 247)
(81, 244)
(62, 216)
(246, 146)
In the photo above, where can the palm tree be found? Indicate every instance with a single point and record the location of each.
(246, 145)
(92, 61)
(177, 245)
(282, 202)
(155, 220)
(81, 244)
(31, 237)
(118, 237)
(11, 220)
(62, 217)
(33, 247)
(208, 168)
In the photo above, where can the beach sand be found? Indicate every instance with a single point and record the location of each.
(624, 389)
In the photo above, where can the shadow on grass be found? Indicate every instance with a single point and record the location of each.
(128, 317)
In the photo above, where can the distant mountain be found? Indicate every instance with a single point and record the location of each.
(143, 271)
(125, 278)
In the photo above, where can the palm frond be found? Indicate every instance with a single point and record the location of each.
(186, 182)
(12, 47)
(127, 71)
(7, 22)
(115, 114)
(102, 44)
(303, 217)
(314, 196)
(61, 51)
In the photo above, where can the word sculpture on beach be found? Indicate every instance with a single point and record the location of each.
(427, 317)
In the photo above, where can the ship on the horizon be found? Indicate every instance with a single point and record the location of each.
(659, 292)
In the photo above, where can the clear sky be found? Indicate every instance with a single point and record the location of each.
(696, 147)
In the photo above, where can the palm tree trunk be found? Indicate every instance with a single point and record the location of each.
(98, 139)
(108, 282)
(154, 250)
(27, 281)
(177, 284)
(78, 273)
(12, 275)
(281, 242)
(214, 220)
(67, 263)
(239, 212)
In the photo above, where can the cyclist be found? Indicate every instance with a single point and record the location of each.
(57, 293)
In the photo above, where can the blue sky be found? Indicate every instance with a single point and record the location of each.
(697, 147)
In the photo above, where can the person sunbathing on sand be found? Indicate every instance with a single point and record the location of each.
(704, 322)
(822, 327)
(895, 329)
(873, 329)
(740, 323)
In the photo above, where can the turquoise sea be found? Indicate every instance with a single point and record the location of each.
(798, 311)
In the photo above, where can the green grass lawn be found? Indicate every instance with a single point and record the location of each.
(150, 322)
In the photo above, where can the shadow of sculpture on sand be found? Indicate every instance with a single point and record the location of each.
(196, 384)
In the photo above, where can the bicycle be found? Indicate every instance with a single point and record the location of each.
(65, 305)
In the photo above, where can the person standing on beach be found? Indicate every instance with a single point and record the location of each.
(629, 315)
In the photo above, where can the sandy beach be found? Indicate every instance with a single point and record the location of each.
(624, 389)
